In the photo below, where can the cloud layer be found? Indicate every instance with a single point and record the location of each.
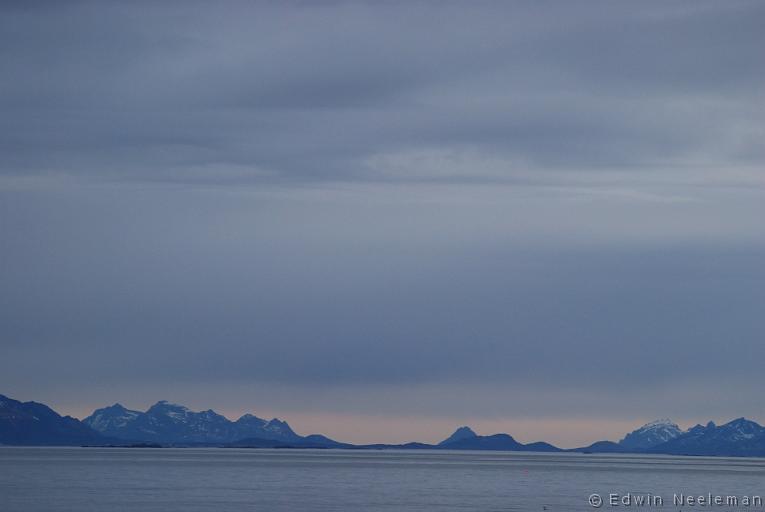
(502, 210)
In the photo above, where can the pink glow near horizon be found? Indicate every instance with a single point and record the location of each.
(360, 429)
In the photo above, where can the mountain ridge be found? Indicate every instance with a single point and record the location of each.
(651, 434)
(169, 424)
(33, 423)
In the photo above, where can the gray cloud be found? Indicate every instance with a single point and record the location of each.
(311, 92)
(527, 200)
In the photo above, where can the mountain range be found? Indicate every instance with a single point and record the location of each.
(168, 424)
(165, 422)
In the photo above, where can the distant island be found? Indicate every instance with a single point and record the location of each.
(170, 425)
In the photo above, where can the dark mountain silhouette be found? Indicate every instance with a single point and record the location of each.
(459, 435)
(603, 447)
(32, 423)
(650, 435)
(402, 446)
(737, 438)
(465, 439)
(318, 439)
(167, 424)
(311, 441)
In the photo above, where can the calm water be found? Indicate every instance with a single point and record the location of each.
(221, 480)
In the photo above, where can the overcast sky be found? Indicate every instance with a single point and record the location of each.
(382, 221)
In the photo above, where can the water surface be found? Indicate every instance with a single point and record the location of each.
(222, 480)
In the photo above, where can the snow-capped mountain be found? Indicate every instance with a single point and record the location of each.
(111, 418)
(251, 426)
(165, 422)
(740, 429)
(651, 434)
(32, 423)
(740, 437)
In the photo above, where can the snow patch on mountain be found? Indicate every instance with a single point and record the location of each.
(166, 422)
(651, 434)
(115, 416)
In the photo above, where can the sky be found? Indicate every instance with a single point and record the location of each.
(381, 221)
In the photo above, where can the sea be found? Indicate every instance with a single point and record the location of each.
(242, 480)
